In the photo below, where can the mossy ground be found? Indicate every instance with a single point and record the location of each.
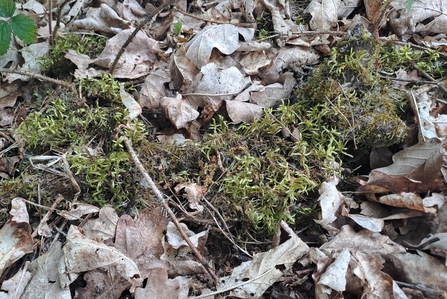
(254, 174)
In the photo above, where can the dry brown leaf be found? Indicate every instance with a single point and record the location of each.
(404, 75)
(103, 19)
(159, 286)
(78, 210)
(420, 268)
(243, 112)
(415, 169)
(223, 37)
(324, 14)
(134, 62)
(431, 118)
(424, 17)
(103, 228)
(334, 277)
(102, 284)
(372, 243)
(153, 88)
(131, 10)
(15, 286)
(252, 278)
(194, 194)
(141, 239)
(176, 247)
(281, 21)
(377, 283)
(179, 111)
(82, 255)
(15, 235)
(213, 85)
(273, 94)
(404, 200)
(253, 61)
(130, 103)
(183, 71)
(330, 201)
(45, 276)
(32, 54)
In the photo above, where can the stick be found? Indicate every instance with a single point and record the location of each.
(161, 201)
(134, 33)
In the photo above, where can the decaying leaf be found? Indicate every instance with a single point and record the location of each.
(141, 239)
(424, 17)
(415, 169)
(212, 85)
(176, 247)
(159, 286)
(194, 193)
(324, 14)
(103, 228)
(15, 286)
(15, 235)
(45, 277)
(82, 254)
(243, 112)
(154, 89)
(78, 210)
(103, 19)
(179, 111)
(223, 37)
(330, 201)
(130, 103)
(252, 278)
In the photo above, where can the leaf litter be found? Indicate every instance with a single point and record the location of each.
(381, 248)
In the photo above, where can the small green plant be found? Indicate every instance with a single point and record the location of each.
(178, 27)
(20, 25)
(102, 89)
(264, 26)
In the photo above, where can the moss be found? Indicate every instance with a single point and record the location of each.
(56, 65)
(86, 133)
(357, 102)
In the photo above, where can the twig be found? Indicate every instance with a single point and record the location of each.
(42, 77)
(226, 235)
(58, 21)
(424, 74)
(143, 23)
(161, 201)
(45, 218)
(419, 287)
(71, 177)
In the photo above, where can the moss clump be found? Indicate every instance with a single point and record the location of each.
(57, 65)
(85, 132)
(254, 173)
(359, 104)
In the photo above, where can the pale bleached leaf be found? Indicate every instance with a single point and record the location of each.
(223, 37)
(252, 278)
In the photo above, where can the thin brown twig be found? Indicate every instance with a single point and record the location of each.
(58, 20)
(71, 177)
(45, 218)
(143, 23)
(42, 77)
(162, 202)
